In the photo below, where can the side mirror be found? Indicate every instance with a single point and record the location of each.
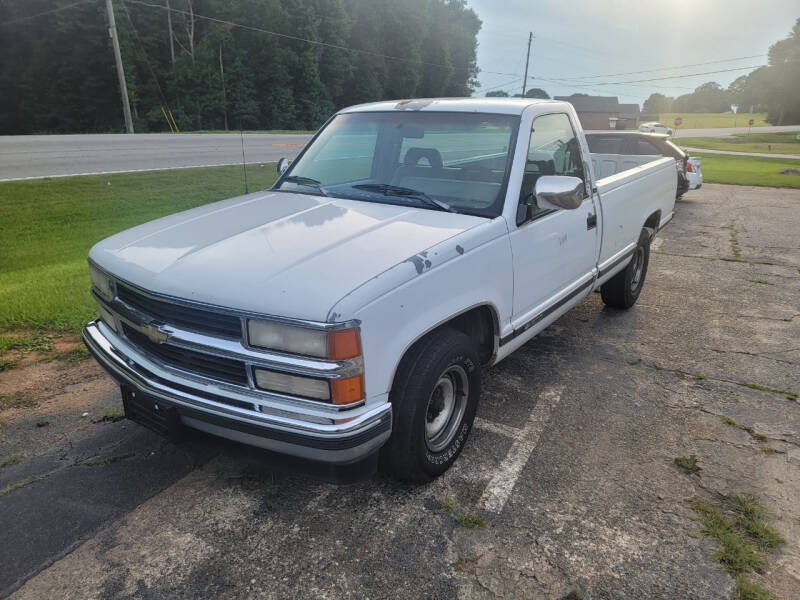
(559, 192)
(283, 164)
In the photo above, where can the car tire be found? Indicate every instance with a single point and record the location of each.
(434, 398)
(622, 290)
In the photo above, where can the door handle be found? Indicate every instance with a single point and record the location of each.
(591, 221)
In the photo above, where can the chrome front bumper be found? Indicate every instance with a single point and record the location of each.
(221, 411)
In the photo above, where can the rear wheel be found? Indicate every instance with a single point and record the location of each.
(434, 398)
(622, 290)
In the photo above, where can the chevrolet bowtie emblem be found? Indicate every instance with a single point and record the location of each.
(155, 333)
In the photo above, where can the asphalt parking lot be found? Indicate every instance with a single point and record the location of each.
(567, 488)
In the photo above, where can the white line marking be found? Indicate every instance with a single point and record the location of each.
(235, 164)
(498, 428)
(498, 491)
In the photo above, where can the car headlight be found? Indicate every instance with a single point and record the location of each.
(338, 344)
(102, 283)
(293, 385)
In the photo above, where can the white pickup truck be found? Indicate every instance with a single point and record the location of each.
(344, 314)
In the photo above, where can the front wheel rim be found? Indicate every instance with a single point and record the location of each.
(638, 269)
(446, 406)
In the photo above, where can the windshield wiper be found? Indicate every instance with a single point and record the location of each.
(308, 181)
(396, 190)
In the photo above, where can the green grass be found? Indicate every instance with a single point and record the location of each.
(740, 525)
(50, 224)
(748, 170)
(688, 464)
(769, 143)
(765, 388)
(749, 590)
(708, 120)
(246, 131)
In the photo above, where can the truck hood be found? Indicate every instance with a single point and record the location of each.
(279, 253)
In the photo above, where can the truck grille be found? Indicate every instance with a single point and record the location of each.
(207, 365)
(195, 319)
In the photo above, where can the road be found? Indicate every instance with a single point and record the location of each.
(37, 156)
(728, 131)
(734, 153)
(571, 462)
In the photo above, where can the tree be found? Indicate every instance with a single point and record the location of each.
(537, 93)
(657, 104)
(351, 51)
(497, 94)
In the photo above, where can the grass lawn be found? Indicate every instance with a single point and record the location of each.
(280, 131)
(748, 170)
(769, 143)
(49, 225)
(703, 120)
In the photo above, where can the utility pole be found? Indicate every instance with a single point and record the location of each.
(527, 60)
(224, 95)
(171, 37)
(123, 88)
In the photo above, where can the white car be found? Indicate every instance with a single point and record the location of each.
(347, 311)
(693, 172)
(655, 128)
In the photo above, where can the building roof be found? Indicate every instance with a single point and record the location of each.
(629, 110)
(592, 104)
(497, 105)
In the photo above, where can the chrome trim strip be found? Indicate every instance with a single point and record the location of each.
(113, 359)
(228, 310)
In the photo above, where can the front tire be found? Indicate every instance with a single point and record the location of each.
(622, 290)
(434, 398)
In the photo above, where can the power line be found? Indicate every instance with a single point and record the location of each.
(562, 81)
(711, 62)
(46, 12)
(301, 39)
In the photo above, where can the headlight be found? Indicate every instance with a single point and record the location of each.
(338, 344)
(293, 385)
(101, 283)
(288, 338)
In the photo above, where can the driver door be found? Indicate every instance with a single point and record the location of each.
(554, 251)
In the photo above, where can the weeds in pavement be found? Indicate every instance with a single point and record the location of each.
(20, 484)
(688, 464)
(740, 525)
(113, 414)
(757, 436)
(766, 388)
(11, 460)
(468, 521)
(750, 590)
(5, 365)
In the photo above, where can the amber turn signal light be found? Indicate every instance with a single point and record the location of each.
(344, 344)
(347, 389)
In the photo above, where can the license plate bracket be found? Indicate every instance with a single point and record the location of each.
(153, 413)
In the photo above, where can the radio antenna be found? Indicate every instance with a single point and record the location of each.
(244, 163)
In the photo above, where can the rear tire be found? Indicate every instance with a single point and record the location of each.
(622, 290)
(434, 398)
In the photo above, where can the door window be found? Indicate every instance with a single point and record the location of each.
(553, 150)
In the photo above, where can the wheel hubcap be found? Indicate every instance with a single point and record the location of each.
(446, 406)
(638, 268)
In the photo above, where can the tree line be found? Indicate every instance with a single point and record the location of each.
(774, 89)
(228, 72)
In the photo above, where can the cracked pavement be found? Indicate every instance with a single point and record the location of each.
(596, 507)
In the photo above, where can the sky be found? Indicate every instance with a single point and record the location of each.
(581, 39)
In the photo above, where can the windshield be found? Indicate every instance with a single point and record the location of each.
(434, 160)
